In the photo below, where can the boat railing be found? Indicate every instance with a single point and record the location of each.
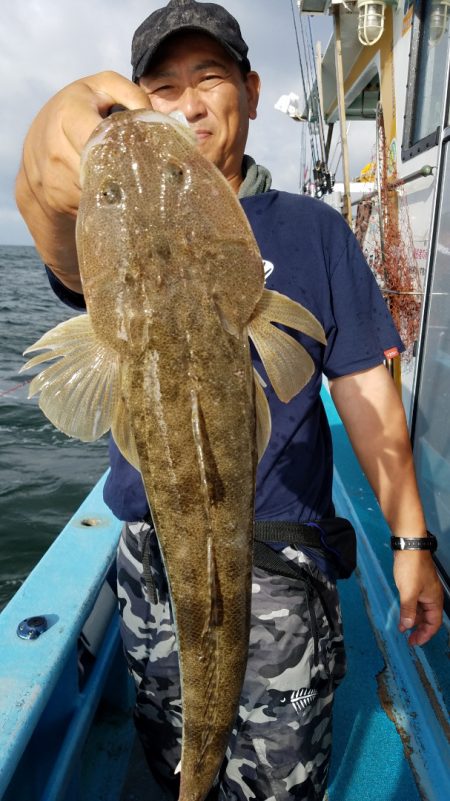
(61, 656)
(412, 684)
(424, 172)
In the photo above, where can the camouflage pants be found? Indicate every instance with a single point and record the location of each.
(280, 746)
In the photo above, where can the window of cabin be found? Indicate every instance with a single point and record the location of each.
(427, 76)
(431, 427)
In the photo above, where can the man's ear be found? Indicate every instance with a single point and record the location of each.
(252, 86)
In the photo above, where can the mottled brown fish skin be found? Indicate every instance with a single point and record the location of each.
(171, 275)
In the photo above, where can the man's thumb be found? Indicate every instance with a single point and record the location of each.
(407, 614)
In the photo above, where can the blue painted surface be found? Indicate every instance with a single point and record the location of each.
(77, 730)
(412, 684)
(368, 761)
(69, 577)
(377, 534)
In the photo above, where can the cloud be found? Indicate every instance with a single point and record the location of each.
(46, 44)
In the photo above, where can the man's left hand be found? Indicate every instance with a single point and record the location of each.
(421, 594)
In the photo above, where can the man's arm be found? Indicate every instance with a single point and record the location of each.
(48, 185)
(373, 415)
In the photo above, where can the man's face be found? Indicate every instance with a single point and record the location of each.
(193, 73)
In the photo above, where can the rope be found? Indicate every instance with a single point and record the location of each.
(17, 386)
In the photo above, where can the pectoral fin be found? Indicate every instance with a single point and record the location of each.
(79, 391)
(280, 309)
(263, 418)
(287, 363)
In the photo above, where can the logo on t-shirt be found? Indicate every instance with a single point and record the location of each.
(391, 353)
(268, 269)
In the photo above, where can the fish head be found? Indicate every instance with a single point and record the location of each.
(148, 224)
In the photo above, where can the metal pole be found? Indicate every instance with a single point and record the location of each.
(424, 172)
(329, 138)
(320, 110)
(319, 75)
(347, 211)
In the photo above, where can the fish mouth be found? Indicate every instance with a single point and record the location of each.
(176, 119)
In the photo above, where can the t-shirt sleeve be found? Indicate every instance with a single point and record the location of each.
(360, 330)
(73, 299)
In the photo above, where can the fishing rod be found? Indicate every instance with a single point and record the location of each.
(305, 93)
(322, 177)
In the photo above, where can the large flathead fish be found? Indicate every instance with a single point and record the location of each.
(174, 286)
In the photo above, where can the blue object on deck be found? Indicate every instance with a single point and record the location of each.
(32, 627)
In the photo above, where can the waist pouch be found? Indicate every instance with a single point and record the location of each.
(334, 537)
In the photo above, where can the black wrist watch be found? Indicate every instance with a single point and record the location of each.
(428, 543)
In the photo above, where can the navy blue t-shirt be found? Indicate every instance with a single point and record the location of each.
(312, 256)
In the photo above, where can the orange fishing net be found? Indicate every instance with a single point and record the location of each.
(383, 230)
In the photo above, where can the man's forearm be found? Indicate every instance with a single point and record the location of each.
(53, 233)
(373, 415)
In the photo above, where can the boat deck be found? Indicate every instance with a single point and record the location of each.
(139, 783)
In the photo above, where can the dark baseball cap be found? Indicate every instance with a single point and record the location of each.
(186, 15)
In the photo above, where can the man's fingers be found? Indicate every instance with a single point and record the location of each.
(426, 617)
(113, 88)
(428, 621)
(422, 634)
(94, 96)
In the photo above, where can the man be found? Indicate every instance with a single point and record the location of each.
(192, 57)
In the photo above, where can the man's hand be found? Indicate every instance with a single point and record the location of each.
(48, 185)
(421, 594)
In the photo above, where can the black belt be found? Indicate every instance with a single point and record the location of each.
(281, 531)
(290, 533)
(266, 558)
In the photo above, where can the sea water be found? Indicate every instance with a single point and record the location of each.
(44, 475)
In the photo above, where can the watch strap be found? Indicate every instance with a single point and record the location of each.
(428, 543)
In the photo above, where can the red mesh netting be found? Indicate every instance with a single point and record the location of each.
(384, 232)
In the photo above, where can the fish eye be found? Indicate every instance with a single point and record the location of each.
(110, 193)
(174, 172)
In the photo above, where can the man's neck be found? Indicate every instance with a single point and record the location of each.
(235, 181)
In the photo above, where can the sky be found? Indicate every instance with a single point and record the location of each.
(47, 44)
